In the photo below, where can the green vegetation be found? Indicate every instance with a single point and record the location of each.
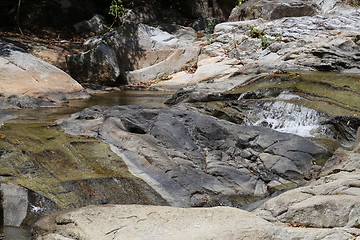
(209, 30)
(266, 40)
(239, 3)
(118, 11)
(255, 32)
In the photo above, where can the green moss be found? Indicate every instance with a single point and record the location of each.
(241, 200)
(285, 186)
(41, 157)
(332, 93)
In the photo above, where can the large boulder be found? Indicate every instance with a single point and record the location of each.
(193, 159)
(14, 204)
(141, 52)
(93, 25)
(271, 10)
(215, 69)
(25, 76)
(152, 222)
(97, 66)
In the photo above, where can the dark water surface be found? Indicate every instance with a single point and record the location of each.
(114, 98)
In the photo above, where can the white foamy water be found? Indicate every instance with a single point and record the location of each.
(287, 117)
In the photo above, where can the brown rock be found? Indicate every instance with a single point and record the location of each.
(22, 74)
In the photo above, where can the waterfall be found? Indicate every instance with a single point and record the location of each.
(287, 117)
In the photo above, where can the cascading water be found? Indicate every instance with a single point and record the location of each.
(284, 116)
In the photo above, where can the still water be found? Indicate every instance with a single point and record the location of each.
(113, 98)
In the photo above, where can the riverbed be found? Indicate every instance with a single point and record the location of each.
(61, 169)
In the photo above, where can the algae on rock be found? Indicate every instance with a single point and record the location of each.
(70, 171)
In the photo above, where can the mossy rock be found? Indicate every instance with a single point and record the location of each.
(71, 171)
(331, 93)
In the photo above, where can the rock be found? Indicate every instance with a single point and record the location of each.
(136, 37)
(292, 103)
(208, 9)
(357, 141)
(21, 206)
(4, 116)
(175, 62)
(94, 25)
(216, 69)
(146, 13)
(57, 171)
(143, 53)
(270, 10)
(206, 25)
(151, 222)
(185, 34)
(326, 5)
(331, 201)
(342, 161)
(14, 204)
(97, 66)
(321, 42)
(336, 6)
(25, 76)
(236, 27)
(170, 147)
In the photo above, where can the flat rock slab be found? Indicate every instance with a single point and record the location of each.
(135, 222)
(193, 159)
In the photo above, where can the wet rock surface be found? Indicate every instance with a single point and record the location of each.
(321, 105)
(326, 208)
(193, 159)
(54, 171)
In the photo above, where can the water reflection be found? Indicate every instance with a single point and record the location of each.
(120, 97)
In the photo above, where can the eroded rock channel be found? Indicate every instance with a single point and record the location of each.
(254, 143)
(198, 160)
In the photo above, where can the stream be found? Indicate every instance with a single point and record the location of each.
(36, 153)
(62, 171)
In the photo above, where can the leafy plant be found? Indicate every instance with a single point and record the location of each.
(209, 30)
(265, 40)
(118, 11)
(255, 32)
(239, 3)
